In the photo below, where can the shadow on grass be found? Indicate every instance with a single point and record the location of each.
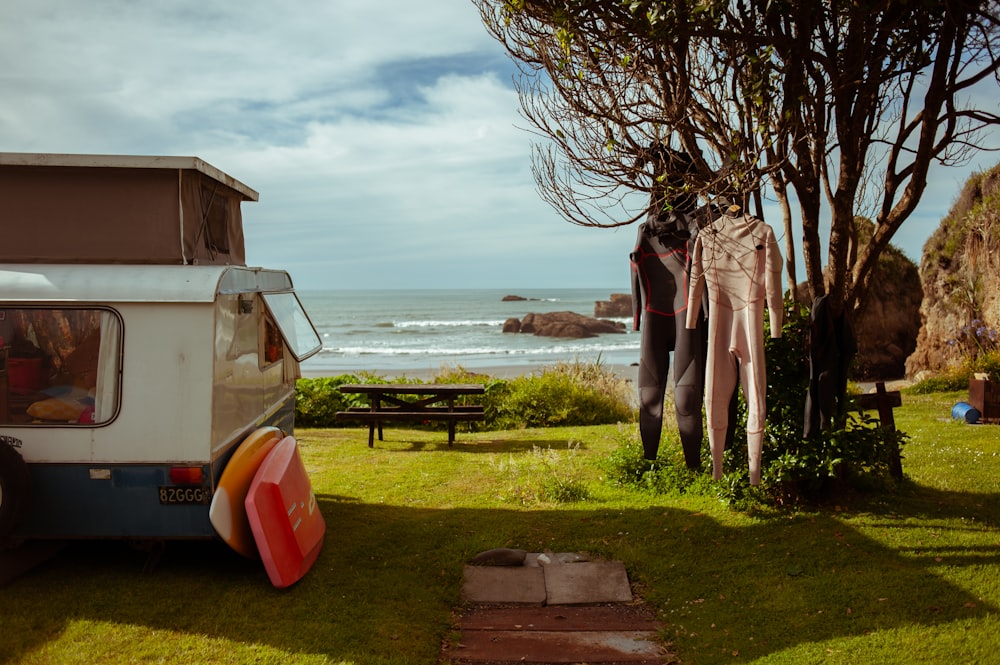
(388, 577)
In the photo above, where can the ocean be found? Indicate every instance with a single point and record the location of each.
(421, 331)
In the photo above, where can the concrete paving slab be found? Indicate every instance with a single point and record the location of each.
(561, 617)
(503, 584)
(551, 647)
(587, 582)
(563, 609)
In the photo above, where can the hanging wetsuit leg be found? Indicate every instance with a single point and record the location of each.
(654, 367)
(689, 388)
(722, 370)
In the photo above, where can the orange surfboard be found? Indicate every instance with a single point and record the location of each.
(227, 513)
(286, 522)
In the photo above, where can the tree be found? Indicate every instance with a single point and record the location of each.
(838, 108)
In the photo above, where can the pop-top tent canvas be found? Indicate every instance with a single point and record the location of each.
(119, 209)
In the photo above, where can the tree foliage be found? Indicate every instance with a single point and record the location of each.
(835, 109)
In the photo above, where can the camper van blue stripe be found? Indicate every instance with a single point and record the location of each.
(112, 501)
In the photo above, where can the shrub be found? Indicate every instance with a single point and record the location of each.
(565, 394)
(949, 380)
(317, 400)
(794, 469)
(988, 363)
(666, 475)
(980, 347)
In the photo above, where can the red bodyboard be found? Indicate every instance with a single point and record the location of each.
(287, 525)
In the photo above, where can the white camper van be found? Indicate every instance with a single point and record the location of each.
(137, 349)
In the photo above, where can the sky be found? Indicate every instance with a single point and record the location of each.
(383, 137)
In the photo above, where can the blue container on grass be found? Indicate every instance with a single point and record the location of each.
(965, 411)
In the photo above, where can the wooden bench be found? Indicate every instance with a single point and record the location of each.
(884, 402)
(412, 402)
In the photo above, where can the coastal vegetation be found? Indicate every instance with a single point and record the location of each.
(906, 574)
(563, 394)
(855, 452)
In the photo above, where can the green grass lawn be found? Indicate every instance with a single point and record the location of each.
(907, 577)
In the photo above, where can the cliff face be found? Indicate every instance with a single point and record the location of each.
(888, 326)
(960, 274)
(886, 329)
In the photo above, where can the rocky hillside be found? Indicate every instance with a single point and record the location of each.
(887, 328)
(888, 325)
(960, 274)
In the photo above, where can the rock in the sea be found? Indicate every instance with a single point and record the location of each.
(512, 298)
(567, 325)
(620, 306)
(512, 325)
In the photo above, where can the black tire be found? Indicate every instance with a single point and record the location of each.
(15, 490)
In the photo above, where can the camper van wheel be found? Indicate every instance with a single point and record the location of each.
(15, 489)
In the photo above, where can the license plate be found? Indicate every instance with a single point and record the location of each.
(185, 494)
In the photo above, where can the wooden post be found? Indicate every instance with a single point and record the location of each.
(885, 406)
(885, 402)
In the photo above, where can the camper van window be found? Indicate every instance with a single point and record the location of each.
(273, 346)
(215, 217)
(59, 366)
(296, 328)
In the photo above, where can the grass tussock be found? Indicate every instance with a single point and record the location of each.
(543, 476)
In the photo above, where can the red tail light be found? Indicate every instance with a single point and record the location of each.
(186, 475)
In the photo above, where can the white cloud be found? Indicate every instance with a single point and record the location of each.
(381, 136)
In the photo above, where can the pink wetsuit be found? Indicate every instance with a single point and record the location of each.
(737, 260)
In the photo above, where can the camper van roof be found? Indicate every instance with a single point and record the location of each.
(127, 283)
(127, 162)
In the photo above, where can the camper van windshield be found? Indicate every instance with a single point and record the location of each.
(296, 328)
(58, 365)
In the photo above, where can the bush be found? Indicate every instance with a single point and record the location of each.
(949, 380)
(794, 469)
(566, 394)
(956, 377)
(318, 400)
(666, 475)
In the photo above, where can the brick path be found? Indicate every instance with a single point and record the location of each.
(569, 610)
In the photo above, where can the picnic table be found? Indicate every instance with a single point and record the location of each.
(415, 402)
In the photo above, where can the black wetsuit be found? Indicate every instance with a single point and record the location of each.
(660, 264)
(832, 346)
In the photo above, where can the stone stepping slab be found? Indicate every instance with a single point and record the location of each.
(585, 582)
(554, 608)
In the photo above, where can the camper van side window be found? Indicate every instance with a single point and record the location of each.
(59, 366)
(297, 330)
(273, 344)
